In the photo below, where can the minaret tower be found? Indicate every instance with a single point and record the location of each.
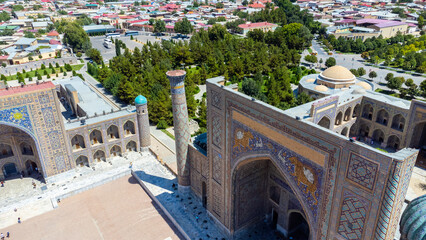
(181, 126)
(143, 123)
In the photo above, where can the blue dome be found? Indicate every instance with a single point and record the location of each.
(140, 100)
(413, 220)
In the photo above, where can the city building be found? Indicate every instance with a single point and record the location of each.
(263, 26)
(57, 126)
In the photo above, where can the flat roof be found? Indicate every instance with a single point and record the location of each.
(89, 100)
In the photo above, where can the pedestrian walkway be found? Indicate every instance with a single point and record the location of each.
(187, 211)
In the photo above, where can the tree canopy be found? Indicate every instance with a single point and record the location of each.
(76, 37)
(183, 26)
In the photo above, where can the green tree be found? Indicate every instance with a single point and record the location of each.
(257, 35)
(95, 55)
(184, 26)
(117, 47)
(29, 34)
(159, 26)
(250, 87)
(245, 3)
(17, 7)
(45, 72)
(423, 88)
(76, 37)
(361, 71)
(162, 124)
(43, 66)
(50, 65)
(330, 62)
(354, 72)
(395, 83)
(372, 74)
(311, 58)
(57, 65)
(421, 22)
(389, 76)
(79, 54)
(4, 16)
(219, 5)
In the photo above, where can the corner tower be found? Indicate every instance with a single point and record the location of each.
(181, 128)
(143, 122)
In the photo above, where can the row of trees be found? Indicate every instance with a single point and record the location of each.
(410, 91)
(401, 51)
(214, 52)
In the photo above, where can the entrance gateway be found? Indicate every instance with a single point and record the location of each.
(304, 169)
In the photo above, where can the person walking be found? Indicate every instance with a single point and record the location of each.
(19, 220)
(2, 184)
(1, 236)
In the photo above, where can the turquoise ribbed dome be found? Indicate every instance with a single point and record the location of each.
(413, 220)
(140, 100)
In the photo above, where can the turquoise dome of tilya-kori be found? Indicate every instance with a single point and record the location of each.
(140, 100)
(413, 220)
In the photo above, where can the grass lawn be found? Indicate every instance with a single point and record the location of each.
(309, 50)
(387, 92)
(168, 133)
(49, 71)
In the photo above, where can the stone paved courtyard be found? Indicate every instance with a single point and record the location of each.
(120, 209)
(19, 193)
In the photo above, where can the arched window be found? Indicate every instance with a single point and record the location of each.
(77, 142)
(298, 227)
(367, 111)
(356, 111)
(393, 142)
(99, 156)
(398, 122)
(347, 114)
(82, 161)
(129, 128)
(382, 117)
(378, 135)
(274, 194)
(115, 151)
(112, 132)
(364, 130)
(324, 122)
(344, 131)
(5, 151)
(131, 146)
(96, 137)
(26, 149)
(338, 119)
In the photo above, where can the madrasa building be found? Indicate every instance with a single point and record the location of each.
(54, 127)
(334, 168)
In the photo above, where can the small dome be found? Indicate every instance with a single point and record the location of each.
(321, 88)
(359, 91)
(310, 80)
(413, 220)
(364, 85)
(337, 73)
(140, 100)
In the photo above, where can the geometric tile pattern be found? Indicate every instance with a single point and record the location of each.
(17, 115)
(216, 99)
(352, 216)
(245, 141)
(181, 127)
(217, 131)
(388, 200)
(217, 167)
(48, 117)
(362, 171)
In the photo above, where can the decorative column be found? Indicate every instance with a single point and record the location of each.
(143, 123)
(181, 126)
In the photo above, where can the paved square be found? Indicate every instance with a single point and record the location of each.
(117, 210)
